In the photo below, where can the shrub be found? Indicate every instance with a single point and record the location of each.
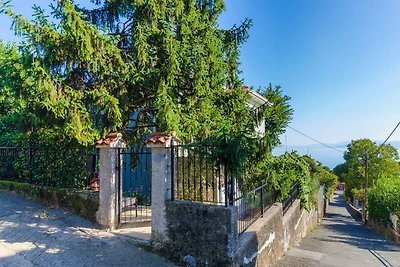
(384, 199)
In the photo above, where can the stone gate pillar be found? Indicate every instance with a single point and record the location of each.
(160, 146)
(108, 212)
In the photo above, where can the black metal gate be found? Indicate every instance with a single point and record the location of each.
(135, 182)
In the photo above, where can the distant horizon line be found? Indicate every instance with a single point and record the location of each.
(337, 144)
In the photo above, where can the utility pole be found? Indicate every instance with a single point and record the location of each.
(286, 142)
(365, 189)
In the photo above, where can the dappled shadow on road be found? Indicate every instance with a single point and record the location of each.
(345, 229)
(336, 204)
(31, 234)
(360, 241)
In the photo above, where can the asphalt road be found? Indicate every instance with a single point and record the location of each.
(33, 235)
(341, 241)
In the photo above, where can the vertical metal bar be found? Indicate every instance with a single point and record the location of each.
(119, 186)
(139, 184)
(183, 171)
(194, 172)
(30, 162)
(262, 202)
(213, 173)
(172, 169)
(232, 188)
(51, 166)
(219, 179)
(226, 185)
(207, 170)
(188, 175)
(201, 173)
(177, 172)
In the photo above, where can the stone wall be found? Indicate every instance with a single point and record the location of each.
(201, 234)
(355, 213)
(294, 223)
(262, 243)
(206, 235)
(323, 203)
(387, 231)
(83, 203)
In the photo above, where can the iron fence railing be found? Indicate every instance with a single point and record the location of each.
(135, 181)
(252, 205)
(293, 194)
(198, 174)
(49, 166)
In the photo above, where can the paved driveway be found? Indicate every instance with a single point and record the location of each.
(31, 235)
(341, 241)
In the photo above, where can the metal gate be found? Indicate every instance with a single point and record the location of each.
(134, 197)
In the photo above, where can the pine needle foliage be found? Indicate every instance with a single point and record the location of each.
(86, 71)
(71, 76)
(182, 64)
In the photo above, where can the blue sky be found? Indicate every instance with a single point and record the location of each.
(339, 61)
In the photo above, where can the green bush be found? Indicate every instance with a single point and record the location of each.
(384, 199)
(289, 169)
(62, 167)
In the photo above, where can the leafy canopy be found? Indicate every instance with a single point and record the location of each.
(83, 73)
(382, 163)
(384, 200)
(183, 67)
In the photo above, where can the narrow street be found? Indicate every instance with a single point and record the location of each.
(341, 241)
(32, 235)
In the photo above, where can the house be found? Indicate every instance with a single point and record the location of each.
(257, 101)
(136, 168)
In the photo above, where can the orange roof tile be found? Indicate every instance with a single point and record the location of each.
(108, 139)
(157, 138)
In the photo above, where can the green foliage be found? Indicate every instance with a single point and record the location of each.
(277, 115)
(382, 162)
(181, 64)
(62, 167)
(170, 60)
(358, 194)
(72, 83)
(384, 199)
(68, 75)
(252, 149)
(341, 170)
(288, 169)
(323, 174)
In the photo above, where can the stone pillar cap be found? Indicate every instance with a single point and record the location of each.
(161, 138)
(113, 140)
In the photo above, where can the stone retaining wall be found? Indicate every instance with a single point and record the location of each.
(355, 213)
(387, 231)
(201, 234)
(206, 235)
(83, 203)
(294, 222)
(262, 243)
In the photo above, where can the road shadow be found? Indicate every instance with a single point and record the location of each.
(33, 235)
(347, 230)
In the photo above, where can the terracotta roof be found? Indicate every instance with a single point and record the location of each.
(108, 139)
(158, 138)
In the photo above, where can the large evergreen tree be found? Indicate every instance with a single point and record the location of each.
(69, 75)
(167, 59)
(84, 72)
(182, 65)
